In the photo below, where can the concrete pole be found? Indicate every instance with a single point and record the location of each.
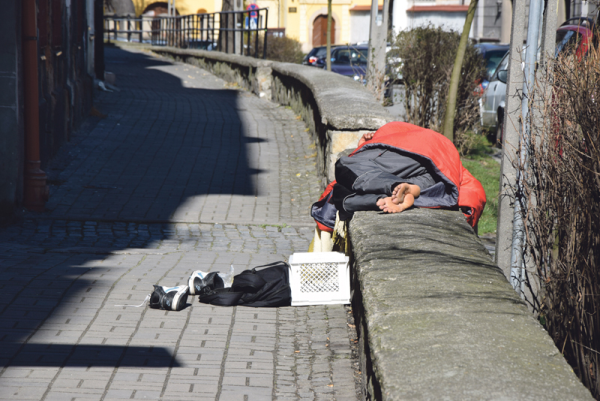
(510, 142)
(516, 271)
(506, 19)
(549, 27)
(562, 12)
(35, 188)
(377, 44)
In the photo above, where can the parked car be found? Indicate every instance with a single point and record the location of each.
(319, 52)
(351, 61)
(569, 38)
(203, 45)
(574, 38)
(492, 53)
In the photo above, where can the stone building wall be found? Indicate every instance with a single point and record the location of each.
(65, 86)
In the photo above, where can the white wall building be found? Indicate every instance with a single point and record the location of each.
(409, 14)
(360, 21)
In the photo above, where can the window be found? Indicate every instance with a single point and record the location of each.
(502, 67)
(567, 41)
(493, 59)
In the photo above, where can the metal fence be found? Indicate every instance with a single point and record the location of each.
(236, 32)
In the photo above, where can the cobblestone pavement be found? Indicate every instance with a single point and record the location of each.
(177, 145)
(183, 174)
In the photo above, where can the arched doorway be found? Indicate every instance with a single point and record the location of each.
(157, 8)
(319, 33)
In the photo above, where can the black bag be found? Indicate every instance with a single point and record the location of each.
(267, 287)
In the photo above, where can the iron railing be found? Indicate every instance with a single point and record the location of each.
(235, 32)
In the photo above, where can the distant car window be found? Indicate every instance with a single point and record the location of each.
(493, 59)
(358, 56)
(566, 41)
(349, 56)
(342, 57)
(501, 67)
(321, 51)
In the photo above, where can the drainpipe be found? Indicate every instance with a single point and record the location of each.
(35, 188)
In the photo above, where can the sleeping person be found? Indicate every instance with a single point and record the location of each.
(379, 179)
(398, 167)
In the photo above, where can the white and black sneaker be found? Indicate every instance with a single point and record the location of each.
(169, 298)
(199, 282)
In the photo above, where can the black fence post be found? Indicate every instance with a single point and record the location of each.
(234, 30)
(193, 30)
(266, 33)
(248, 34)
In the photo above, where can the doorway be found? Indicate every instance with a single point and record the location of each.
(319, 34)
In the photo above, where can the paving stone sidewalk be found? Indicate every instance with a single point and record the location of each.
(184, 173)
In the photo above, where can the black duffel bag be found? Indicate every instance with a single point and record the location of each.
(262, 286)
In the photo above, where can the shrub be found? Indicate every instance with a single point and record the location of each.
(560, 204)
(282, 49)
(425, 57)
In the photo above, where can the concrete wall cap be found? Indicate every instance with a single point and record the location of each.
(442, 321)
(343, 103)
(213, 55)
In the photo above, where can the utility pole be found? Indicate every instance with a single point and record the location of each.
(509, 233)
(377, 43)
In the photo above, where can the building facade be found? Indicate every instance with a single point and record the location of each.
(492, 21)
(47, 73)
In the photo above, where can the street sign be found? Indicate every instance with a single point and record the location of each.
(252, 20)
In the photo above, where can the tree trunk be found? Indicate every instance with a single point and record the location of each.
(226, 21)
(448, 127)
(329, 35)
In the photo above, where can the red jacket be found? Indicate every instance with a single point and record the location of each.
(445, 162)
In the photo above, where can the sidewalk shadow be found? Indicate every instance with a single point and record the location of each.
(156, 151)
(164, 146)
(68, 355)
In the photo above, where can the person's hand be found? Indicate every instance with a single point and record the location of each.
(366, 137)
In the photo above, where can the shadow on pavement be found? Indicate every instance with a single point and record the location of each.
(68, 355)
(161, 145)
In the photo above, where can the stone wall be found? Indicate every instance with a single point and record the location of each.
(11, 111)
(436, 318)
(65, 88)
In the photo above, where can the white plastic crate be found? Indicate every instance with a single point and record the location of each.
(319, 278)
